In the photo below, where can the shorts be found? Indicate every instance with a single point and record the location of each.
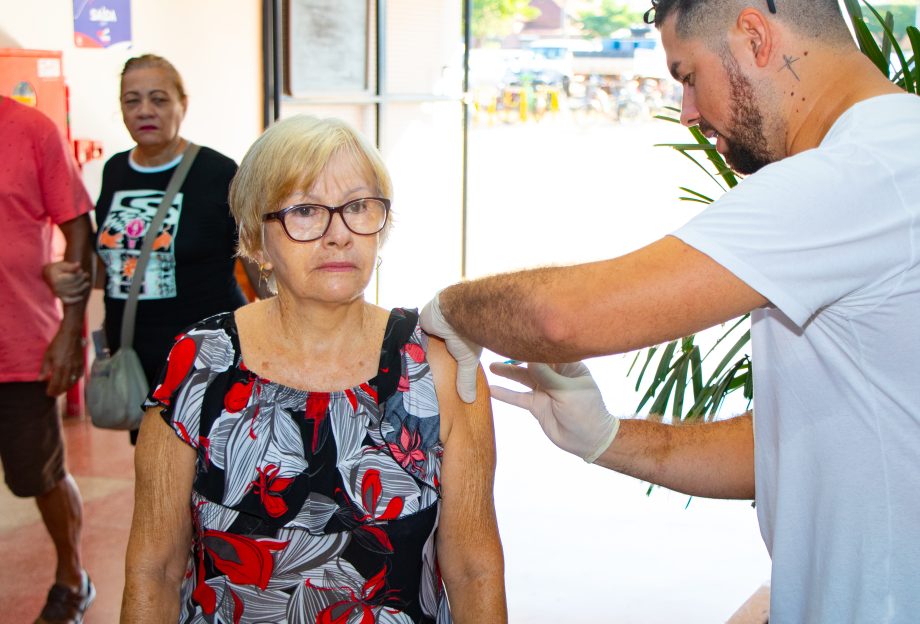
(31, 445)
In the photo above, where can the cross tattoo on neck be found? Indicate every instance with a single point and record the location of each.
(788, 65)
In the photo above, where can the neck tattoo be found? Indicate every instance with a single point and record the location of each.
(788, 65)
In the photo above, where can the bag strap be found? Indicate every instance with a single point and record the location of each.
(137, 279)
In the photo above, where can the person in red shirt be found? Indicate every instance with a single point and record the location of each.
(41, 349)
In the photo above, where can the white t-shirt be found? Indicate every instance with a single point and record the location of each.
(831, 237)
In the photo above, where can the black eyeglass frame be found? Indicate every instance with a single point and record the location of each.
(279, 215)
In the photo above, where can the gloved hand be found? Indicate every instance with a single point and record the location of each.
(466, 353)
(566, 402)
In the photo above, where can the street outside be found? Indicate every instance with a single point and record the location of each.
(583, 544)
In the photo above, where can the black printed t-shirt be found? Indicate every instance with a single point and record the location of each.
(190, 272)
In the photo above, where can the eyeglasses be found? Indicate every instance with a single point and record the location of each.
(307, 222)
(649, 17)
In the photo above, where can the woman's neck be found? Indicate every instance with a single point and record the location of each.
(153, 156)
(319, 327)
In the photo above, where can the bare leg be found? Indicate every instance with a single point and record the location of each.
(62, 511)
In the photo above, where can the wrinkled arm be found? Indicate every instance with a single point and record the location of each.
(561, 314)
(469, 548)
(63, 360)
(161, 530)
(713, 460)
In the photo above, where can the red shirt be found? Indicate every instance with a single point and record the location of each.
(39, 186)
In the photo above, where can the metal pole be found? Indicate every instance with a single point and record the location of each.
(380, 71)
(380, 68)
(276, 59)
(266, 63)
(464, 102)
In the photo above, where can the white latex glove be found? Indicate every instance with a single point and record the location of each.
(566, 402)
(466, 353)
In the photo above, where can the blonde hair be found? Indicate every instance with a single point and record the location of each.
(288, 157)
(152, 61)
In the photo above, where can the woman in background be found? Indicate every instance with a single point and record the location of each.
(190, 275)
(307, 458)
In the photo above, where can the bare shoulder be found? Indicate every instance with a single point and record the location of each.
(455, 413)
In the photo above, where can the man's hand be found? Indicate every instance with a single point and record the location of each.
(566, 402)
(465, 352)
(67, 280)
(63, 362)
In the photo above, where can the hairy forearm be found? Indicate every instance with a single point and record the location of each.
(507, 314)
(562, 314)
(712, 460)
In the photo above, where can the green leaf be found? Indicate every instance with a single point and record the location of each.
(694, 199)
(886, 42)
(700, 165)
(696, 369)
(868, 45)
(715, 158)
(913, 34)
(664, 364)
(700, 195)
(661, 401)
(666, 118)
(745, 338)
(648, 359)
(690, 147)
(893, 42)
(680, 386)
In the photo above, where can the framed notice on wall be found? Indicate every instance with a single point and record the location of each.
(327, 46)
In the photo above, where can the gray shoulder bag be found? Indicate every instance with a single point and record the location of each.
(117, 386)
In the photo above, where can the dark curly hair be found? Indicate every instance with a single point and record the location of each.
(821, 19)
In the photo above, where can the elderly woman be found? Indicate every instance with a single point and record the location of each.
(307, 458)
(191, 271)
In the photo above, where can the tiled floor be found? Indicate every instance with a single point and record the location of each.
(102, 463)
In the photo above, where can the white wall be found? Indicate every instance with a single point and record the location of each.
(215, 45)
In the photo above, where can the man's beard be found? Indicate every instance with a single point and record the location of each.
(747, 150)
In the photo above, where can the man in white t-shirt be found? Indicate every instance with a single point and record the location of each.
(822, 246)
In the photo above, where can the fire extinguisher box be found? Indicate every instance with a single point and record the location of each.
(36, 78)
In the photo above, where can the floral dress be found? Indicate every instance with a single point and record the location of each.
(308, 506)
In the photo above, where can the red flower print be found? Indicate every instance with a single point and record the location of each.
(180, 361)
(353, 399)
(238, 395)
(243, 560)
(371, 489)
(316, 410)
(415, 352)
(407, 451)
(372, 598)
(237, 607)
(269, 487)
(370, 391)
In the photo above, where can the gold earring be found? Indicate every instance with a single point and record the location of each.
(265, 271)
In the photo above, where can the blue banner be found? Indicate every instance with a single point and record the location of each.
(101, 23)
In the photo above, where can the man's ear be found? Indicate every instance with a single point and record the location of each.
(758, 35)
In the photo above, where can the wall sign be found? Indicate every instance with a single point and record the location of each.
(101, 23)
(327, 46)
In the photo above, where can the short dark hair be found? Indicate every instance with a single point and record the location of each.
(820, 19)
(152, 61)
